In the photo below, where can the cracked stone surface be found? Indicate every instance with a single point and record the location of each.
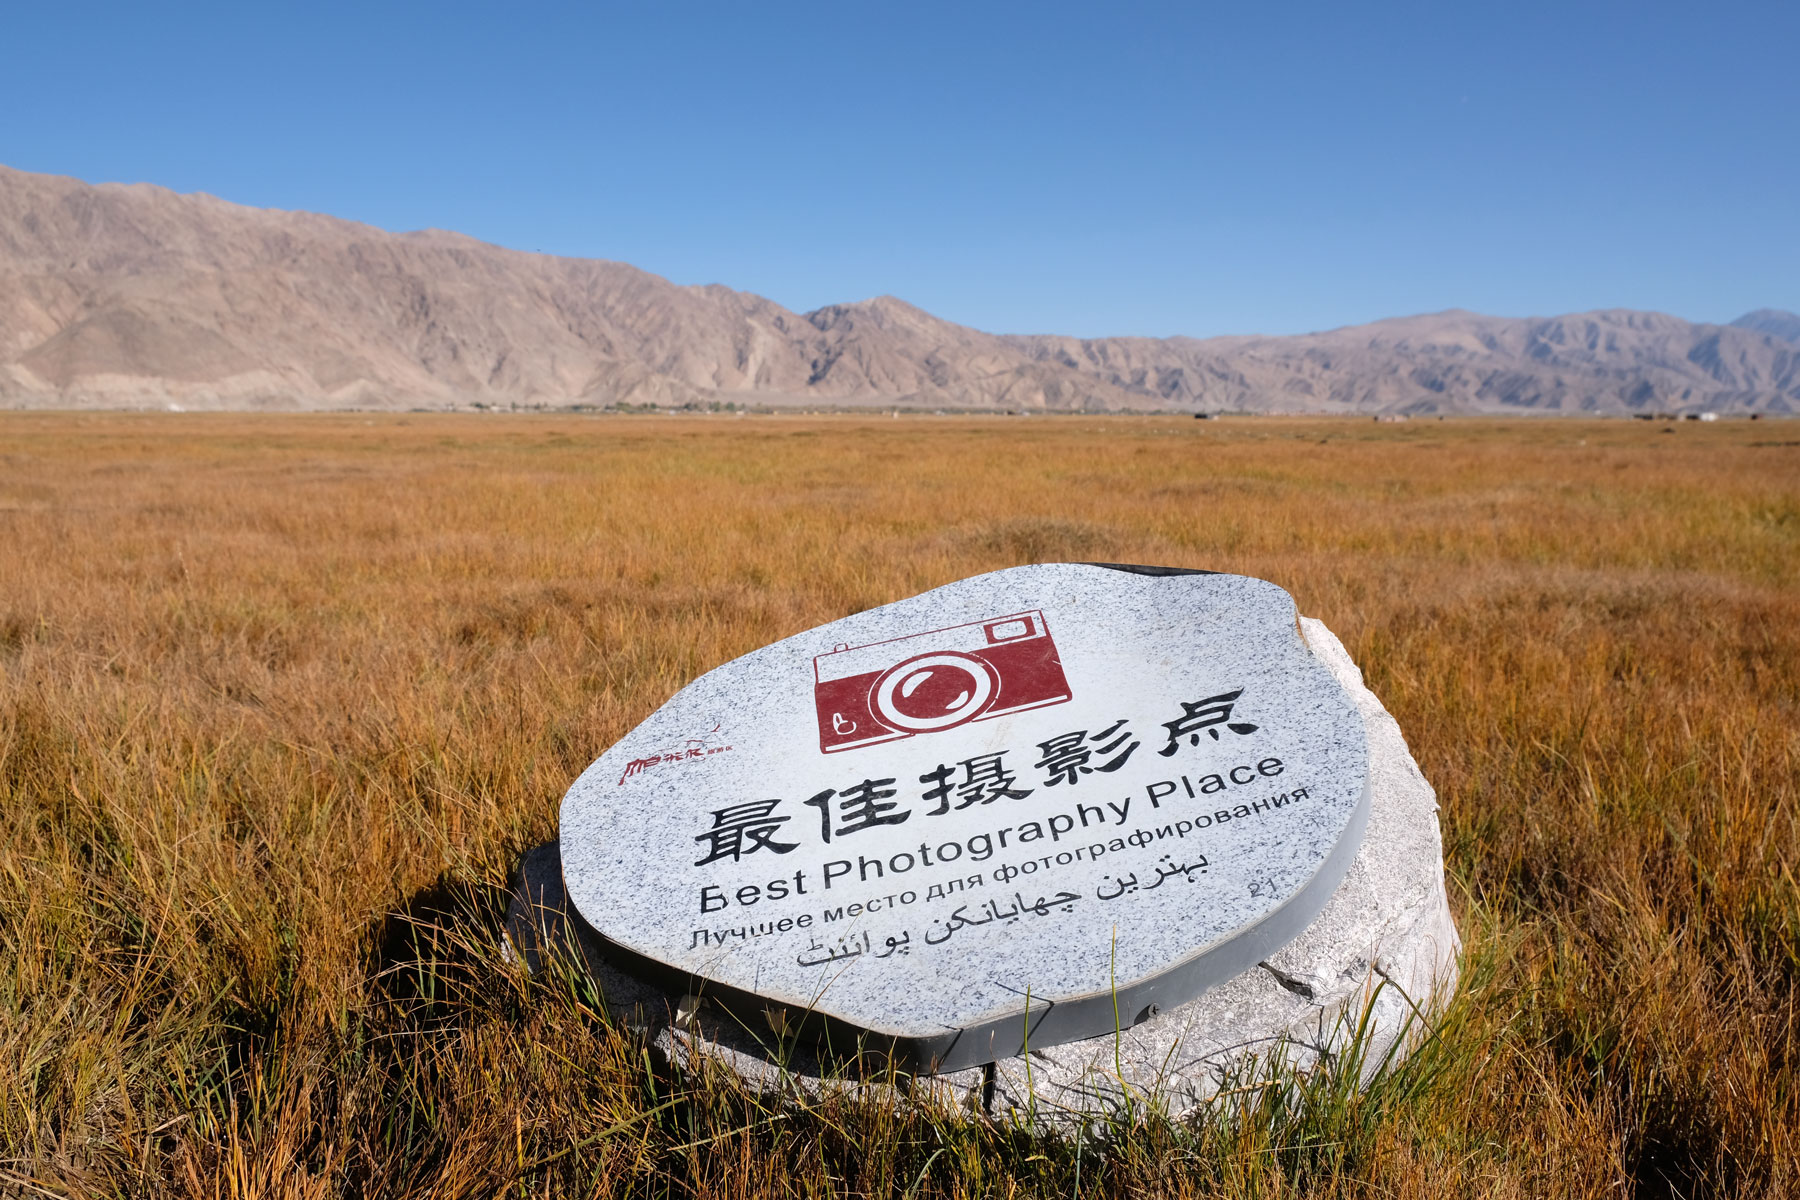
(1385, 943)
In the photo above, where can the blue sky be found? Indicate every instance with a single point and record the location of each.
(1096, 169)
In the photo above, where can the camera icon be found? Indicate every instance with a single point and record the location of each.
(926, 682)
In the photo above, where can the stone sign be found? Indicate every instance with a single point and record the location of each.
(1029, 807)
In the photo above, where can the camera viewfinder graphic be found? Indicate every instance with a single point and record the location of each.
(926, 682)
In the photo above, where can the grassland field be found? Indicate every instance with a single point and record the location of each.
(283, 698)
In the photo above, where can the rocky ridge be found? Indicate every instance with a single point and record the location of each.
(133, 296)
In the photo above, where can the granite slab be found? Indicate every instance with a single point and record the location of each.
(1010, 813)
(1380, 959)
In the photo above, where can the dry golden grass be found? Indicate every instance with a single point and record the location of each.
(282, 699)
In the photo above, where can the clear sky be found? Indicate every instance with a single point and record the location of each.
(1090, 169)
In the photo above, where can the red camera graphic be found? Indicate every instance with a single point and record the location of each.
(938, 680)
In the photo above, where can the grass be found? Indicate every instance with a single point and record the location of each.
(282, 699)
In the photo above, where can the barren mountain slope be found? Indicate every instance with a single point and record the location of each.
(132, 294)
(1772, 321)
(117, 295)
(1611, 361)
(110, 293)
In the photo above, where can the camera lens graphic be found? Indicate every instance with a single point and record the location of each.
(933, 691)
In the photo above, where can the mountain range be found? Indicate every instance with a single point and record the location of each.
(116, 296)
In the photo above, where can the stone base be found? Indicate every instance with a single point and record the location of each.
(1384, 946)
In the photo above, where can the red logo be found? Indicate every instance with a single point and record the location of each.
(930, 681)
(692, 748)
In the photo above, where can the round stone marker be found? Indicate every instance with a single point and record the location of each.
(1023, 809)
